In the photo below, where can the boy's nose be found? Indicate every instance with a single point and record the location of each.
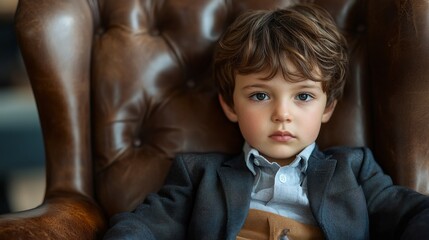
(281, 113)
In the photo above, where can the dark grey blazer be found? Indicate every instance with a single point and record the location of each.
(207, 196)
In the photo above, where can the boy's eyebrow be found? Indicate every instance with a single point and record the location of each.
(256, 85)
(298, 85)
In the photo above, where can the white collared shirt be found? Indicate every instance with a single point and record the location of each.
(280, 190)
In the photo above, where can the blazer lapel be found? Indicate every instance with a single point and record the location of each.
(319, 173)
(237, 182)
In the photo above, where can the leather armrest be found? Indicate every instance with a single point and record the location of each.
(65, 217)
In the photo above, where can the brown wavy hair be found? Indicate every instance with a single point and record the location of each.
(262, 40)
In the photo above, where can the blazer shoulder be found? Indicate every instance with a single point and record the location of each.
(354, 157)
(352, 153)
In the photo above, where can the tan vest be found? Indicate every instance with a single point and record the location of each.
(261, 225)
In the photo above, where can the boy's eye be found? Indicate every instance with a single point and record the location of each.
(304, 97)
(259, 96)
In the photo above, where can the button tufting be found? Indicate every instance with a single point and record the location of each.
(137, 143)
(190, 83)
(155, 32)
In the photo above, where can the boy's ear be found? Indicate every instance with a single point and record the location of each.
(228, 110)
(329, 110)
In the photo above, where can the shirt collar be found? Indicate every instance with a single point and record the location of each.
(301, 159)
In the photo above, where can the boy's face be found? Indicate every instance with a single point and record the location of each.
(278, 117)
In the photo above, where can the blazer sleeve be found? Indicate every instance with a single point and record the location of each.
(395, 212)
(161, 215)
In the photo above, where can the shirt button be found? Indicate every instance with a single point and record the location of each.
(282, 178)
(283, 235)
(257, 162)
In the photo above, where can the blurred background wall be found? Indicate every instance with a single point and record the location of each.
(22, 179)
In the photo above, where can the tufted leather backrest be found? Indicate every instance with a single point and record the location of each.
(153, 94)
(123, 86)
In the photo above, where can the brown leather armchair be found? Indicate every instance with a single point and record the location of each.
(122, 86)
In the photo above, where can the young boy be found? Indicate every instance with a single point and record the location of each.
(279, 74)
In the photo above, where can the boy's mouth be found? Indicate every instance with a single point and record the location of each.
(282, 136)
